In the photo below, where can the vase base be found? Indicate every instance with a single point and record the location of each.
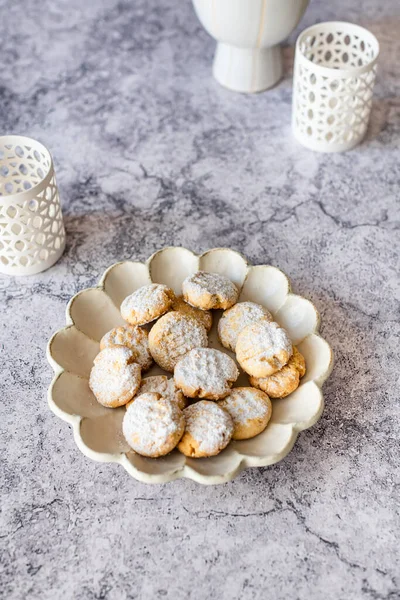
(247, 70)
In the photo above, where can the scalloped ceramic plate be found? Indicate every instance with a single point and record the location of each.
(93, 312)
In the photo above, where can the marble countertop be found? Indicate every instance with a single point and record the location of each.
(150, 151)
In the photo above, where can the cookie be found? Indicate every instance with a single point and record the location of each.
(115, 377)
(173, 336)
(147, 303)
(263, 348)
(208, 430)
(250, 410)
(209, 290)
(237, 318)
(204, 316)
(163, 386)
(286, 380)
(153, 425)
(134, 338)
(206, 373)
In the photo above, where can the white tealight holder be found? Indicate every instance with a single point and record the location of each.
(334, 76)
(32, 234)
(248, 57)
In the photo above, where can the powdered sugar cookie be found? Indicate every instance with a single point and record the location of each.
(115, 377)
(206, 373)
(147, 303)
(298, 361)
(134, 338)
(237, 318)
(209, 290)
(250, 410)
(153, 425)
(163, 386)
(263, 348)
(173, 336)
(204, 316)
(208, 430)
(286, 380)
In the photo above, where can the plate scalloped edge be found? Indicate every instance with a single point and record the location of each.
(260, 283)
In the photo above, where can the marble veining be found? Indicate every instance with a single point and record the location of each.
(150, 151)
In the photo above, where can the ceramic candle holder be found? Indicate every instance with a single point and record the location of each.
(248, 57)
(32, 235)
(334, 76)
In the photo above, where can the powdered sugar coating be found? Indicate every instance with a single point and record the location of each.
(250, 410)
(263, 348)
(208, 430)
(134, 338)
(209, 290)
(204, 316)
(206, 373)
(153, 425)
(235, 319)
(286, 380)
(114, 378)
(147, 303)
(160, 384)
(173, 336)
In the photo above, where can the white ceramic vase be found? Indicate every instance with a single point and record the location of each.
(249, 32)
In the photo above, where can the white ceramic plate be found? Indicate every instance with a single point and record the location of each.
(94, 311)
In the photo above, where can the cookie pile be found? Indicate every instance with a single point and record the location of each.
(196, 410)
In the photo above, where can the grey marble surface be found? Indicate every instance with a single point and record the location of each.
(150, 151)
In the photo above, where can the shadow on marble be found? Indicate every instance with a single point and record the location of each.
(385, 119)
